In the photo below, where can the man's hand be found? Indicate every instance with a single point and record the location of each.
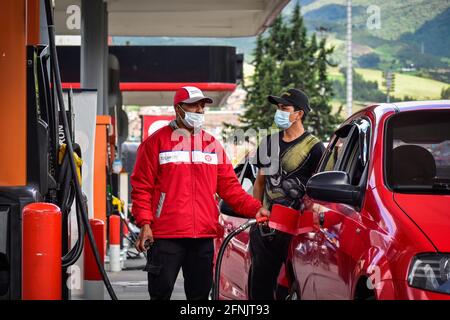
(144, 235)
(262, 213)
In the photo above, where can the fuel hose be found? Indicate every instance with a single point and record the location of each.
(66, 198)
(234, 233)
(73, 167)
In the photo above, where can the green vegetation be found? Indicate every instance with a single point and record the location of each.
(132, 108)
(284, 58)
(407, 85)
(363, 90)
(412, 34)
(397, 17)
(445, 93)
(370, 60)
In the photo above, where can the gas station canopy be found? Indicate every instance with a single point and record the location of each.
(192, 18)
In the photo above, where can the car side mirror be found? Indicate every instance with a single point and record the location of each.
(333, 186)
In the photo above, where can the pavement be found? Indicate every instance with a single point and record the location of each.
(131, 282)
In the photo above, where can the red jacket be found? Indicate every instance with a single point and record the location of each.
(174, 182)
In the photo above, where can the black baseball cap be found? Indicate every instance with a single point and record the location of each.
(293, 97)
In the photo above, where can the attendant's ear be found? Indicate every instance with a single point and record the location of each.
(177, 110)
(300, 114)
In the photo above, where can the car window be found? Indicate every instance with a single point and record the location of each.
(357, 148)
(417, 157)
(334, 153)
(344, 152)
(352, 164)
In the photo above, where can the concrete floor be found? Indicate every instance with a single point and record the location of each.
(131, 282)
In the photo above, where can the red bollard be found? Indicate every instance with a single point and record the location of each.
(41, 252)
(114, 229)
(93, 282)
(114, 243)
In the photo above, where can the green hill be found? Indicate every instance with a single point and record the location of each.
(415, 29)
(407, 85)
(433, 34)
(397, 17)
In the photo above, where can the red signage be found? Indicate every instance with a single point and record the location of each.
(150, 124)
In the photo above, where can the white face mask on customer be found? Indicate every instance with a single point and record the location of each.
(282, 119)
(193, 120)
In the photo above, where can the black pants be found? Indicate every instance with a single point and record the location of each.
(193, 256)
(268, 255)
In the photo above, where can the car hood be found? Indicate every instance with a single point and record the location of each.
(431, 213)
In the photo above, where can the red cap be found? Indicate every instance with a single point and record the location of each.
(189, 95)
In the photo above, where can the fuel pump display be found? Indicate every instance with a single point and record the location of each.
(53, 167)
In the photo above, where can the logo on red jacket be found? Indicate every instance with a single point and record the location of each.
(208, 158)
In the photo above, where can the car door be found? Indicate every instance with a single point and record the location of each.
(303, 255)
(304, 247)
(236, 260)
(339, 224)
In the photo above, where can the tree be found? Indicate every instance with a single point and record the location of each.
(370, 60)
(296, 70)
(259, 112)
(286, 58)
(297, 36)
(321, 121)
(445, 93)
(277, 43)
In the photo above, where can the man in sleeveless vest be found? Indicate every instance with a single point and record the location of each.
(286, 160)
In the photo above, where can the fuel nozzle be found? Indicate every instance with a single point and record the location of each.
(148, 244)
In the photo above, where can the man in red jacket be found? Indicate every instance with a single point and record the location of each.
(178, 171)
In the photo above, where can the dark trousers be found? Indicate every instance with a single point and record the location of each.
(193, 256)
(268, 255)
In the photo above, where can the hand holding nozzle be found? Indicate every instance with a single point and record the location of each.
(262, 220)
(262, 216)
(148, 244)
(145, 239)
(259, 219)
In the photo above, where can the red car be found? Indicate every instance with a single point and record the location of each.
(376, 217)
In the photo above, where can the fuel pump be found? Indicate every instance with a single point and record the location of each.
(80, 199)
(51, 159)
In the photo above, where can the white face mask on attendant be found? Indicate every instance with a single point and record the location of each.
(193, 120)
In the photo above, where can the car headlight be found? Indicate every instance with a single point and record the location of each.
(430, 272)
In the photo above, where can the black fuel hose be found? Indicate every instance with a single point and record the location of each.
(216, 284)
(74, 254)
(78, 192)
(124, 220)
(66, 199)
